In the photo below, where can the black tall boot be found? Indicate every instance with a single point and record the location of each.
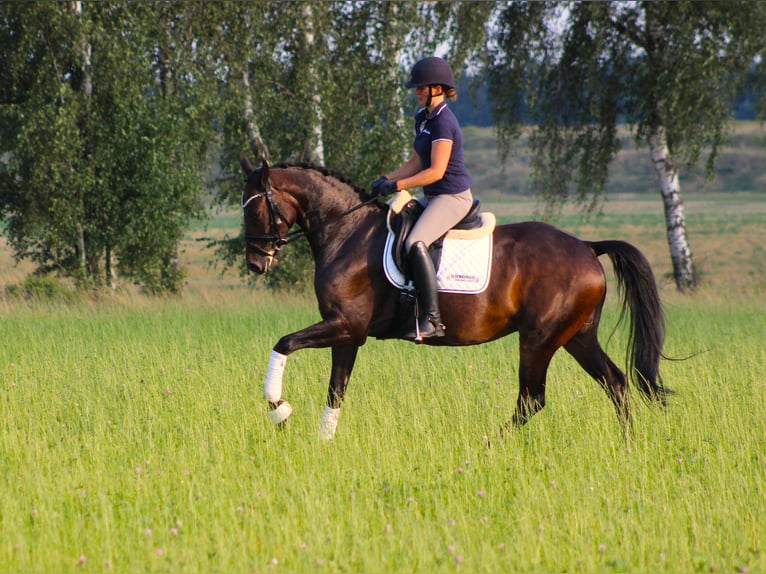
(429, 320)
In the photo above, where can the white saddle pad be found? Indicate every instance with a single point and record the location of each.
(464, 268)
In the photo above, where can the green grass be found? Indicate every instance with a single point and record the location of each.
(134, 436)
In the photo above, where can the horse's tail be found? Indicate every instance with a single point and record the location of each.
(638, 291)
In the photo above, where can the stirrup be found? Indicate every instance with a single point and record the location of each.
(425, 328)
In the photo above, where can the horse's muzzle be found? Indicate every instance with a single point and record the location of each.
(261, 265)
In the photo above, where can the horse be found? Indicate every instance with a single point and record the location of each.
(545, 284)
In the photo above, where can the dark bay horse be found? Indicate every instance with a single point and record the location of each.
(546, 284)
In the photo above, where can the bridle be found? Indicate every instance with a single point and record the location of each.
(276, 217)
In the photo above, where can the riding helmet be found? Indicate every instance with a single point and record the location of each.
(431, 72)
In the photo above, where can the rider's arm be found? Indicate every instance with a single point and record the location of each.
(440, 154)
(409, 168)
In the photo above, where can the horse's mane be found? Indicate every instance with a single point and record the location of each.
(324, 171)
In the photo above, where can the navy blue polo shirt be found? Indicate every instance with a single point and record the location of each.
(441, 125)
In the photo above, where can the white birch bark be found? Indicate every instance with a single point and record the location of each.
(257, 144)
(87, 87)
(675, 221)
(313, 147)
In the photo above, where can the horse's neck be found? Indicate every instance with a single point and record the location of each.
(321, 197)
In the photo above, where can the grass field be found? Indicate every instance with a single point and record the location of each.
(134, 437)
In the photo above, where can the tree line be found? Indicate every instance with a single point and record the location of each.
(472, 108)
(112, 112)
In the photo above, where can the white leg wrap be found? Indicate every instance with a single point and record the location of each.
(329, 423)
(281, 413)
(272, 389)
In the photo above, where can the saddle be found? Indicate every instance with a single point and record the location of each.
(404, 212)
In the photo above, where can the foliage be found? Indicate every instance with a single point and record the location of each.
(41, 289)
(110, 113)
(740, 166)
(103, 170)
(361, 100)
(578, 69)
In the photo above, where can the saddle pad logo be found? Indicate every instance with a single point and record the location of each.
(464, 268)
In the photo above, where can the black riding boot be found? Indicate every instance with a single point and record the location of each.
(429, 320)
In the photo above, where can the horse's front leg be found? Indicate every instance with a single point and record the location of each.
(343, 358)
(332, 332)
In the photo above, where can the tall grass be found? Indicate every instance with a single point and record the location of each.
(134, 438)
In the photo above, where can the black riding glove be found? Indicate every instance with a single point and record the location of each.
(383, 186)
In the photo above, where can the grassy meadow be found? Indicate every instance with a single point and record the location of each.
(134, 437)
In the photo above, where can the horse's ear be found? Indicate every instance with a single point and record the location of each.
(264, 174)
(246, 165)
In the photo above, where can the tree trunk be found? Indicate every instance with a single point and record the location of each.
(257, 144)
(87, 88)
(313, 146)
(675, 221)
(81, 250)
(109, 275)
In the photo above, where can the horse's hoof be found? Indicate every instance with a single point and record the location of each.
(280, 412)
(329, 423)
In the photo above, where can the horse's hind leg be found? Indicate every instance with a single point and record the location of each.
(587, 351)
(533, 369)
(343, 358)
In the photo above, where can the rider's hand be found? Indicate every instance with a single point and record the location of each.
(375, 187)
(383, 186)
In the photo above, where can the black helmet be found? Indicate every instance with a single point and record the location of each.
(431, 72)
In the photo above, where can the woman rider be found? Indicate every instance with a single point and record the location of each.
(437, 166)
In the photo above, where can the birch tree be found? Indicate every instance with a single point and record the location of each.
(239, 57)
(44, 154)
(313, 148)
(101, 154)
(668, 70)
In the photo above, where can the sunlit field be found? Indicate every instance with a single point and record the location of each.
(134, 437)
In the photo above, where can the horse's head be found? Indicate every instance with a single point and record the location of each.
(266, 224)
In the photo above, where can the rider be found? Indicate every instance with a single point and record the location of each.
(437, 166)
